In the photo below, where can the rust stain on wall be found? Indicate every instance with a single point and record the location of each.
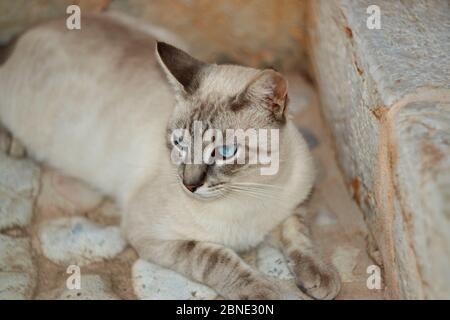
(355, 188)
(348, 32)
(360, 71)
(431, 154)
(380, 112)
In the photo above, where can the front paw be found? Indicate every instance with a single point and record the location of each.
(263, 289)
(316, 278)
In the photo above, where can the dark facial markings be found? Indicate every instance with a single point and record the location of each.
(239, 102)
(211, 115)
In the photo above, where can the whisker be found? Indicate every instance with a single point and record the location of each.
(262, 194)
(257, 185)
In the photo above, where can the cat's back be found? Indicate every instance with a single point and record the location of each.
(103, 46)
(94, 89)
(105, 59)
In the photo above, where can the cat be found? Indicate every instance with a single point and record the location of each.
(101, 103)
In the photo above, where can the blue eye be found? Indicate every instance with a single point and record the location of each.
(227, 151)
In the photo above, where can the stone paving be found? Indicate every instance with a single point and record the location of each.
(49, 222)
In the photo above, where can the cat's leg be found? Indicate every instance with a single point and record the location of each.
(313, 275)
(214, 265)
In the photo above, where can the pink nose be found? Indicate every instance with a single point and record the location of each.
(192, 187)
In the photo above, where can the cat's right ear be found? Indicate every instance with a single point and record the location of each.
(181, 69)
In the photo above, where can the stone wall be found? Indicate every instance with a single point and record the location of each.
(386, 96)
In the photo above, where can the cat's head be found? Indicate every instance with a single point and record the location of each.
(212, 101)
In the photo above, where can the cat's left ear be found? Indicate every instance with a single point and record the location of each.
(271, 88)
(181, 69)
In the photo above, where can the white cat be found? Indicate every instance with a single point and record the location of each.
(94, 103)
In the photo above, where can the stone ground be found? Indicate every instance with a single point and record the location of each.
(49, 222)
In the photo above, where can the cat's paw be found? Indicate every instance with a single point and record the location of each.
(317, 279)
(267, 290)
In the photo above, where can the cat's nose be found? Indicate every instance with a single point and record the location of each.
(194, 176)
(192, 187)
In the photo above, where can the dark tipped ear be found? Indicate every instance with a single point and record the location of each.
(271, 88)
(181, 69)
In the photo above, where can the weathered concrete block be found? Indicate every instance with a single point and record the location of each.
(19, 186)
(76, 240)
(385, 94)
(422, 177)
(17, 270)
(92, 287)
(152, 282)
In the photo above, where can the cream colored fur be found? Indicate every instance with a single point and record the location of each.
(95, 104)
